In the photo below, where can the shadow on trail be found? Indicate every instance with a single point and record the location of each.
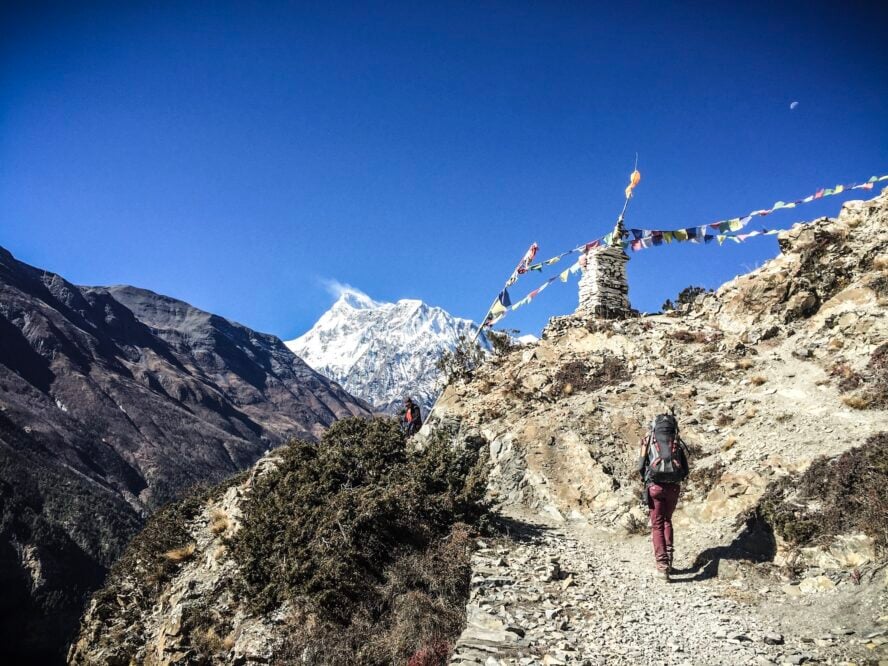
(756, 543)
(517, 530)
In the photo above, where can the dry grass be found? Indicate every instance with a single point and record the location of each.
(179, 555)
(880, 262)
(758, 380)
(729, 443)
(684, 335)
(219, 521)
(870, 384)
(636, 526)
(699, 337)
(849, 379)
(745, 363)
(703, 479)
(207, 641)
(491, 412)
(578, 376)
(836, 343)
(740, 595)
(858, 400)
(724, 419)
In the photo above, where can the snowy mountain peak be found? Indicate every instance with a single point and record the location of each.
(382, 351)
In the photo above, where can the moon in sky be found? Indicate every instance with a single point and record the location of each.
(793, 105)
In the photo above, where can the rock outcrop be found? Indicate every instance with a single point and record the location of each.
(161, 629)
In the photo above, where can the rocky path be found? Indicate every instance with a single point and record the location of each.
(564, 594)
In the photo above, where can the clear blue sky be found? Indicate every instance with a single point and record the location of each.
(238, 155)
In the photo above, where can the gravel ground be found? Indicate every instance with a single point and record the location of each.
(566, 594)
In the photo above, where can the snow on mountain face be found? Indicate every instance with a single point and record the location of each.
(382, 352)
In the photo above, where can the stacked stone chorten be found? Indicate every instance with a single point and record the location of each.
(604, 289)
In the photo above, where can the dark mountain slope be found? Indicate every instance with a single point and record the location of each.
(113, 401)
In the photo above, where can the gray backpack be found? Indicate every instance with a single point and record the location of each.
(667, 459)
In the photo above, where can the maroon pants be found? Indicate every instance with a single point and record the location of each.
(664, 497)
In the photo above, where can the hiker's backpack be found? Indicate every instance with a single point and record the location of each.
(667, 460)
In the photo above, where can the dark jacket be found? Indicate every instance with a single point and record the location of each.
(412, 417)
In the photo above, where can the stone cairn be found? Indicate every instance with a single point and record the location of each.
(604, 289)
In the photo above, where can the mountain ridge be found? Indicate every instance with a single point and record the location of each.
(113, 401)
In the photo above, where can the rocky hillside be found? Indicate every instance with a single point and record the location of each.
(113, 401)
(382, 352)
(779, 380)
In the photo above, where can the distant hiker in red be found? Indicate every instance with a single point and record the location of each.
(411, 417)
(663, 466)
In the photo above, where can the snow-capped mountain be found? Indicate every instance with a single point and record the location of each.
(382, 352)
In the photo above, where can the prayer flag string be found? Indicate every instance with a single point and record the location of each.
(695, 234)
(640, 239)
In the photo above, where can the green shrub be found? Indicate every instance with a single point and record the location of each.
(685, 297)
(364, 537)
(501, 342)
(460, 362)
(839, 496)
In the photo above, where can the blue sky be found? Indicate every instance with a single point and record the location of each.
(240, 156)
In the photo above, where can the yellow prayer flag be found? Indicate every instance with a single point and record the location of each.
(497, 309)
(667, 236)
(680, 235)
(735, 225)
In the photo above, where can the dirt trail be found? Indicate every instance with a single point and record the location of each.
(565, 593)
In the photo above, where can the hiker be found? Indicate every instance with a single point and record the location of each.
(411, 417)
(663, 465)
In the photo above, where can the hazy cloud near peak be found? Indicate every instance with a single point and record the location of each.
(338, 289)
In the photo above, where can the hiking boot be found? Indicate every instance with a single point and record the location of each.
(663, 574)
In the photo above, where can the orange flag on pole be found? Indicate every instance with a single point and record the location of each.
(634, 179)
